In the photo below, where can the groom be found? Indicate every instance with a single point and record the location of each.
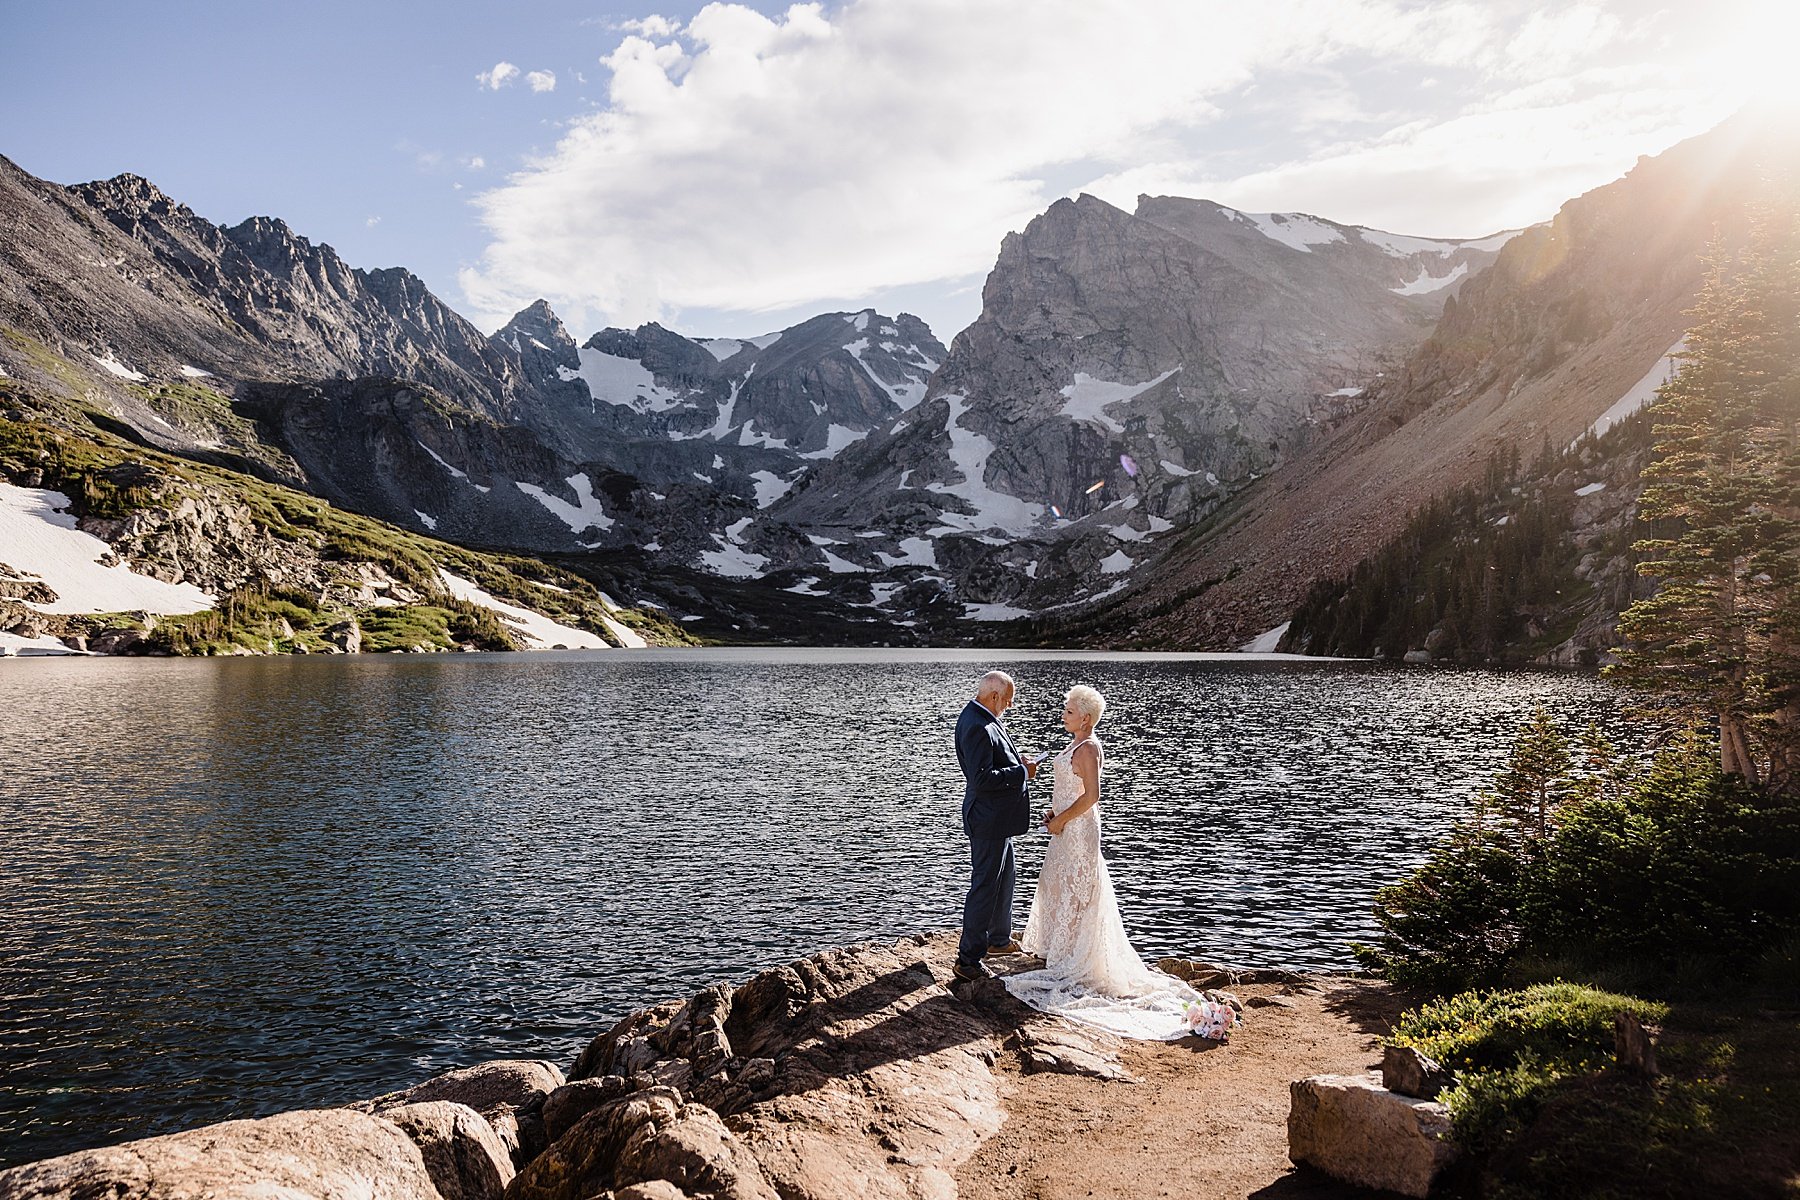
(995, 810)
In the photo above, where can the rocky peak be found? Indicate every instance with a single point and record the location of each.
(537, 335)
(272, 245)
(127, 195)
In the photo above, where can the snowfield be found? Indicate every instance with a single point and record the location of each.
(1427, 282)
(1087, 399)
(536, 630)
(38, 537)
(579, 517)
(969, 453)
(1643, 391)
(1297, 231)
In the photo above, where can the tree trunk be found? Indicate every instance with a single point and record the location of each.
(1735, 757)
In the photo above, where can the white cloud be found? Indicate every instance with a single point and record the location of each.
(371, 222)
(541, 81)
(749, 163)
(502, 74)
(652, 26)
(475, 162)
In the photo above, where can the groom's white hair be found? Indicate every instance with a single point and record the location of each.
(994, 681)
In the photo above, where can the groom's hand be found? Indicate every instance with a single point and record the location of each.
(1030, 769)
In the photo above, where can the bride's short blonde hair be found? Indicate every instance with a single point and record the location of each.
(1087, 701)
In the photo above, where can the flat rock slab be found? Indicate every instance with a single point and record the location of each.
(329, 1154)
(1352, 1128)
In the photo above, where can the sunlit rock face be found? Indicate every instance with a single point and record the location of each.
(1169, 356)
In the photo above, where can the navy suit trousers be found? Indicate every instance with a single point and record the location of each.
(987, 913)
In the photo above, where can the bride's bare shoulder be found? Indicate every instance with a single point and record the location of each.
(1088, 751)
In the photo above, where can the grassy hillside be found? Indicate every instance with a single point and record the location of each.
(300, 568)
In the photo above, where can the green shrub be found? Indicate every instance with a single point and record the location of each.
(1454, 921)
(1510, 1049)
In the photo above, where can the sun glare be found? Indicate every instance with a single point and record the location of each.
(1763, 60)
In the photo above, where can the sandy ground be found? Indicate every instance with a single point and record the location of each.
(1204, 1121)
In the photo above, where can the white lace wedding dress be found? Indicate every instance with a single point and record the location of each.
(1090, 974)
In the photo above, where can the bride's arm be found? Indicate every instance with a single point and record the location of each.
(1087, 769)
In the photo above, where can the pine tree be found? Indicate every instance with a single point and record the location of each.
(1722, 482)
(1534, 784)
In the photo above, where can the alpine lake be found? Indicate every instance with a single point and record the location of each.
(233, 887)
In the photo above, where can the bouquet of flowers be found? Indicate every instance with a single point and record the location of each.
(1211, 1019)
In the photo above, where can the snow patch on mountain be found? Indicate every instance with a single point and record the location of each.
(38, 537)
(194, 372)
(1401, 246)
(720, 348)
(969, 454)
(115, 367)
(836, 438)
(537, 631)
(1643, 391)
(770, 487)
(1295, 230)
(1088, 397)
(586, 513)
(614, 379)
(734, 562)
(1493, 242)
(1266, 641)
(994, 612)
(914, 552)
(1427, 282)
(454, 472)
(906, 395)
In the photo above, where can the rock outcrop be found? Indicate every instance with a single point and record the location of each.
(508, 1094)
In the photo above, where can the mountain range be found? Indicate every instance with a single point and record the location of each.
(1165, 425)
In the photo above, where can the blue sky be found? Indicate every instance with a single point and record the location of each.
(732, 168)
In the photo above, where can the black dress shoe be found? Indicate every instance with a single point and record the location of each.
(971, 972)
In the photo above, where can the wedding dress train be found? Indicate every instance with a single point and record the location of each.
(1091, 974)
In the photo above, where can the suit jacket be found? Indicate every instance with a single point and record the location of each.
(995, 804)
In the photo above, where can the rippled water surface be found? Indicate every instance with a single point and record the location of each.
(233, 887)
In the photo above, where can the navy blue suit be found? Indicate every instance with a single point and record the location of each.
(995, 810)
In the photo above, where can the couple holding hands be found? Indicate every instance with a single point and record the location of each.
(1090, 973)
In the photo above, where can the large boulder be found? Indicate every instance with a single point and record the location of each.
(463, 1154)
(508, 1092)
(651, 1141)
(575, 1100)
(1352, 1128)
(330, 1154)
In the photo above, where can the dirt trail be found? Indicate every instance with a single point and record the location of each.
(1205, 1122)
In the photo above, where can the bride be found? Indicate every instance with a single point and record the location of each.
(1091, 974)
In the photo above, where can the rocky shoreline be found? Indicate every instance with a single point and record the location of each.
(855, 1072)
